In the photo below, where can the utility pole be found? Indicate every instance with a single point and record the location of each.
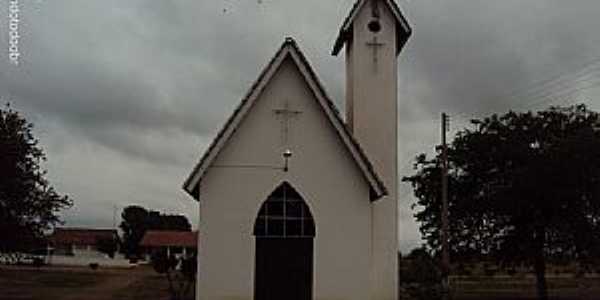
(115, 216)
(445, 235)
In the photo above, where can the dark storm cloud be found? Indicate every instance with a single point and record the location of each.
(127, 94)
(472, 54)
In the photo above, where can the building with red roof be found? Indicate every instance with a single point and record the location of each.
(72, 241)
(173, 242)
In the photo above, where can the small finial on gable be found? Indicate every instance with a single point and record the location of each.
(289, 39)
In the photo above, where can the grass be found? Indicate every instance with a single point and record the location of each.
(496, 288)
(142, 283)
(43, 284)
(508, 288)
(55, 283)
(148, 288)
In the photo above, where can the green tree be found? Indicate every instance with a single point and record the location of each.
(158, 221)
(134, 224)
(28, 203)
(108, 246)
(522, 187)
(136, 220)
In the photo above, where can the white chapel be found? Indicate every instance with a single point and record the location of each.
(296, 202)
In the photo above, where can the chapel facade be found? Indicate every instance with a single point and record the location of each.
(297, 202)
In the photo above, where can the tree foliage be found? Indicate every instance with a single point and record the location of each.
(28, 203)
(136, 220)
(108, 246)
(522, 187)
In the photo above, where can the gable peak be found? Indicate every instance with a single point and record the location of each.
(289, 49)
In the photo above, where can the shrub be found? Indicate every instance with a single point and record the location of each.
(180, 281)
(420, 270)
(38, 262)
(161, 262)
(107, 246)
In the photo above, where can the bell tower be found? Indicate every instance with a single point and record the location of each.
(373, 35)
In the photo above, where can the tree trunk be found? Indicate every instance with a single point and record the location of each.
(540, 265)
(171, 288)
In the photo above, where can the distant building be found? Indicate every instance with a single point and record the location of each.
(81, 241)
(172, 242)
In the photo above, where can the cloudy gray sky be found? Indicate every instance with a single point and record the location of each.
(125, 95)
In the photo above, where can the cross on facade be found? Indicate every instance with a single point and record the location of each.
(375, 44)
(286, 115)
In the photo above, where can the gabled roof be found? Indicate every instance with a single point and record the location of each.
(403, 31)
(165, 238)
(288, 49)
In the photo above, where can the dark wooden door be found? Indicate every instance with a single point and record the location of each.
(284, 268)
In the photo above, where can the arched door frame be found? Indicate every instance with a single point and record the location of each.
(284, 231)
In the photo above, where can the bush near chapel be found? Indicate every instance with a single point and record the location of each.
(419, 276)
(179, 272)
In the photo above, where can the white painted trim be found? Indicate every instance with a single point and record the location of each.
(289, 48)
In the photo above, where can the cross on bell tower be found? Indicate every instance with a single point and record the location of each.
(375, 45)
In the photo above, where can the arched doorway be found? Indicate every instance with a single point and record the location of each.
(284, 231)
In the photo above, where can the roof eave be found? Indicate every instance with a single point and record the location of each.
(192, 191)
(374, 196)
(341, 39)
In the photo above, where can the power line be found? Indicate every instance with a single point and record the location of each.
(586, 69)
(550, 98)
(547, 98)
(558, 96)
(558, 85)
(561, 85)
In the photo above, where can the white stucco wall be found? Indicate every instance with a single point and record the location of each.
(372, 106)
(321, 170)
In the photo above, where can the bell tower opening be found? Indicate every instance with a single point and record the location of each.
(374, 25)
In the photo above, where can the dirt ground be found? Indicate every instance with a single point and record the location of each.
(62, 283)
(142, 283)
